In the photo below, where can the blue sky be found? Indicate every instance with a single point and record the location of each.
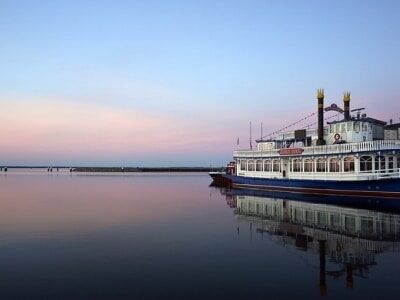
(196, 72)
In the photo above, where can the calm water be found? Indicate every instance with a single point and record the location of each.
(152, 236)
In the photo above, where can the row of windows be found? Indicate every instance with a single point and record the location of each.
(269, 165)
(348, 126)
(320, 165)
(380, 163)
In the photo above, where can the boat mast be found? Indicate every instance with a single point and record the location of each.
(251, 145)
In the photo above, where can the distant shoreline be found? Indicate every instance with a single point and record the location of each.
(147, 169)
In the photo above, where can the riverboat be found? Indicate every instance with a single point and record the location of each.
(355, 156)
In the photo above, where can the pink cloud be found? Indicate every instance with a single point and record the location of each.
(43, 127)
(59, 129)
(48, 126)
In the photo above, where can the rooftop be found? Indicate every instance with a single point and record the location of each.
(363, 119)
(393, 126)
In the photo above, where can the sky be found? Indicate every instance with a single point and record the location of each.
(176, 83)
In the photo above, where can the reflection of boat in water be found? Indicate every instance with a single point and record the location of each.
(344, 240)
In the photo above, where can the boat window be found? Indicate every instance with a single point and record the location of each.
(309, 216)
(343, 127)
(298, 214)
(365, 163)
(250, 165)
(296, 165)
(259, 165)
(356, 126)
(365, 127)
(350, 224)
(322, 218)
(276, 166)
(380, 164)
(349, 126)
(267, 166)
(390, 164)
(321, 165)
(308, 165)
(348, 164)
(243, 165)
(334, 165)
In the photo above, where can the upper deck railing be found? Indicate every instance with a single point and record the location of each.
(327, 149)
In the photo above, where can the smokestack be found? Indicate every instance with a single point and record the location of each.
(346, 102)
(320, 97)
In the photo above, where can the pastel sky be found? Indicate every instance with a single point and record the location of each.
(174, 83)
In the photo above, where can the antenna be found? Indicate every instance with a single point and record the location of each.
(358, 109)
(261, 130)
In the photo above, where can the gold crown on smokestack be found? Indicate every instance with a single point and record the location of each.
(320, 93)
(346, 96)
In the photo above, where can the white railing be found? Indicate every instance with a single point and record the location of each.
(328, 149)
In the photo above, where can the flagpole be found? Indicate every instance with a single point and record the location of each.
(251, 145)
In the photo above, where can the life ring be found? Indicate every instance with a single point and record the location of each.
(336, 136)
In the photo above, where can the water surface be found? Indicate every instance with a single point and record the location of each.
(152, 236)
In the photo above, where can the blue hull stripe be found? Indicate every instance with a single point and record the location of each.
(388, 188)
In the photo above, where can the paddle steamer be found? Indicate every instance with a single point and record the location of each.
(356, 156)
